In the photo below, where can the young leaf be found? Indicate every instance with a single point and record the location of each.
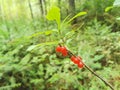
(31, 47)
(47, 43)
(77, 15)
(47, 32)
(108, 8)
(54, 14)
(41, 44)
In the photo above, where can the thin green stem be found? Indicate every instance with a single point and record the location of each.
(60, 34)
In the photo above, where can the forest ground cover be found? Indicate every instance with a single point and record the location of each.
(28, 60)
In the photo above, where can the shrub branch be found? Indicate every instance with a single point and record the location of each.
(93, 72)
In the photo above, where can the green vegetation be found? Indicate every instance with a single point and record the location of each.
(30, 30)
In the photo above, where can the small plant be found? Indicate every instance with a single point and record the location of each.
(54, 14)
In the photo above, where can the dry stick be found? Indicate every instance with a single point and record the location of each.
(106, 83)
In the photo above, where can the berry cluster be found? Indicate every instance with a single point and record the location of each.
(62, 50)
(75, 59)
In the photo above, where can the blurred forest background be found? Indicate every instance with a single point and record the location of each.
(28, 60)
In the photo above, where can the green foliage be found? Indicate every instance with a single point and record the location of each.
(77, 15)
(96, 6)
(54, 14)
(9, 87)
(42, 44)
(108, 8)
(28, 60)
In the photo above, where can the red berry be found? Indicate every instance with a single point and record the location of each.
(58, 49)
(72, 58)
(64, 51)
(80, 64)
(75, 59)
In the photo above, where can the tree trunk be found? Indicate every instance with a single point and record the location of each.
(59, 5)
(31, 9)
(72, 10)
(41, 7)
(4, 20)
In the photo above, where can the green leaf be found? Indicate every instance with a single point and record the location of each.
(37, 81)
(9, 87)
(54, 78)
(65, 19)
(118, 18)
(77, 15)
(48, 43)
(41, 44)
(25, 60)
(116, 3)
(98, 57)
(31, 47)
(5, 34)
(69, 34)
(108, 8)
(96, 65)
(47, 32)
(54, 14)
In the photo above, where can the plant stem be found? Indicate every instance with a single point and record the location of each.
(106, 83)
(60, 34)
